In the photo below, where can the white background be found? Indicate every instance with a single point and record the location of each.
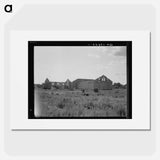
(140, 82)
(87, 145)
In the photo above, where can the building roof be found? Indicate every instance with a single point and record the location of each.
(103, 78)
(47, 80)
(68, 81)
(80, 79)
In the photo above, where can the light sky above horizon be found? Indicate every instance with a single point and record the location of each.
(59, 63)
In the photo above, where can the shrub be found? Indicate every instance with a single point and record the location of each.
(121, 112)
(96, 90)
(61, 105)
(83, 91)
(47, 86)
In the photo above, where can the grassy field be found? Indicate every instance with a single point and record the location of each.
(67, 103)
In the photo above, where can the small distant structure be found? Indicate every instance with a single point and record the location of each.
(58, 85)
(119, 86)
(38, 86)
(47, 84)
(62, 85)
(68, 84)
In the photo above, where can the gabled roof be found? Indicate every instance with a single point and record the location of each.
(47, 80)
(103, 78)
(67, 81)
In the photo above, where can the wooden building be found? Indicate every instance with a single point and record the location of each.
(101, 83)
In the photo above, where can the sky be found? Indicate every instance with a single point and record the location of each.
(59, 63)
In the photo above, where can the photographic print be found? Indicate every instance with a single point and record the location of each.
(80, 79)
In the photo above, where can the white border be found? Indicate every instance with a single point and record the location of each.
(140, 80)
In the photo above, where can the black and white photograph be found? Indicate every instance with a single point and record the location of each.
(80, 79)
